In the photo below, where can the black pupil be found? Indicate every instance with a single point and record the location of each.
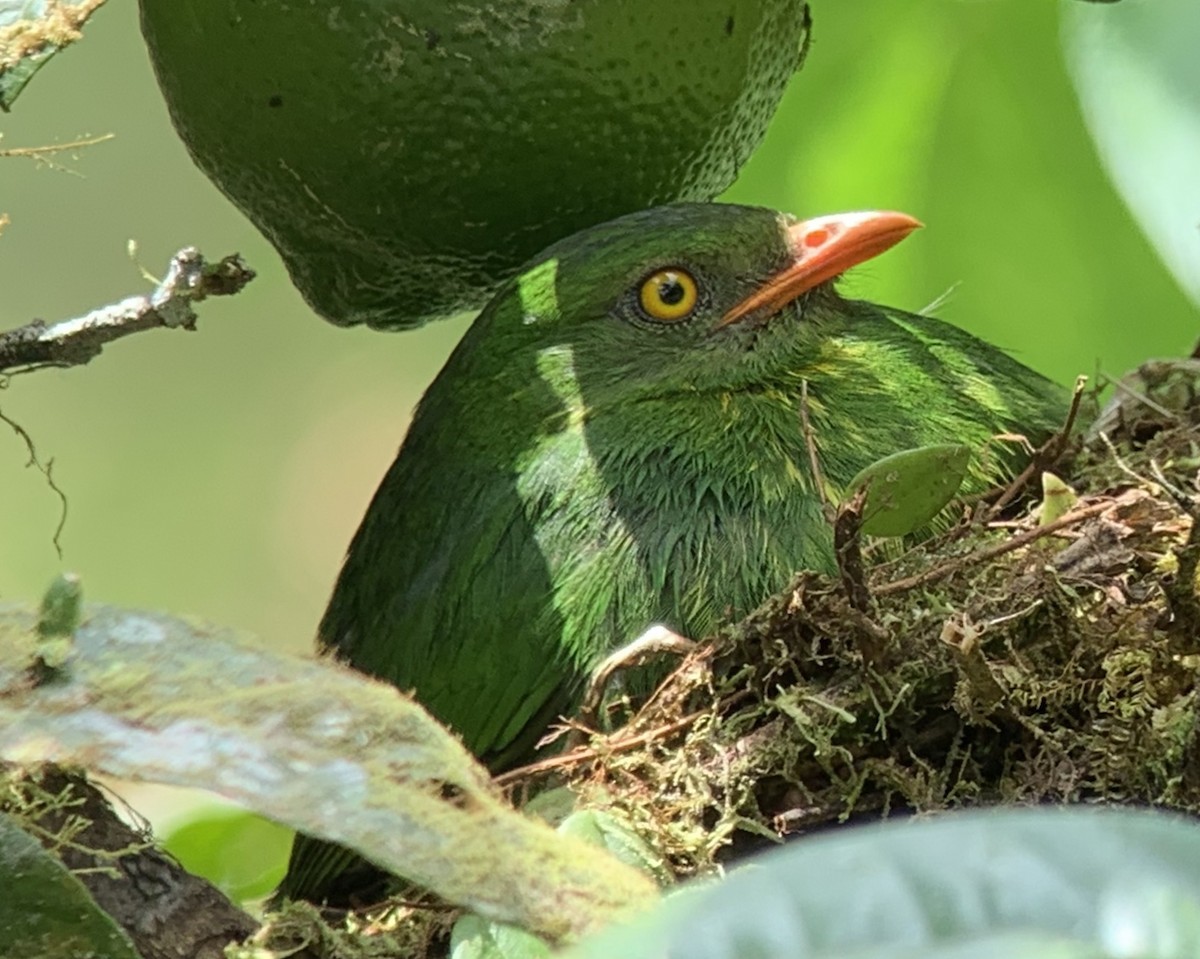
(670, 290)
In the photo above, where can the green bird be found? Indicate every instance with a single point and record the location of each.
(617, 442)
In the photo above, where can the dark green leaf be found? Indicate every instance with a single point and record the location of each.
(45, 912)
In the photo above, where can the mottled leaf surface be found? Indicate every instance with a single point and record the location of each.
(1020, 884)
(320, 748)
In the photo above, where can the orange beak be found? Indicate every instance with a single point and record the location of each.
(822, 248)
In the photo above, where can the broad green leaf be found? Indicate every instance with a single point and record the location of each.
(1136, 69)
(908, 489)
(242, 854)
(31, 32)
(310, 744)
(1016, 883)
(45, 912)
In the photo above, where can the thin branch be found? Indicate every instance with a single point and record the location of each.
(190, 279)
(619, 742)
(1046, 456)
(43, 154)
(985, 555)
(47, 470)
(50, 149)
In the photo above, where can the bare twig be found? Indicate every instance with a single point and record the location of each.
(985, 555)
(42, 155)
(47, 470)
(189, 280)
(847, 548)
(617, 743)
(1047, 454)
(653, 642)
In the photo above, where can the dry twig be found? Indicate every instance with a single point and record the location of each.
(190, 279)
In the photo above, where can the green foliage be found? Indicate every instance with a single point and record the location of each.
(57, 621)
(907, 489)
(475, 938)
(1022, 884)
(1057, 498)
(1137, 72)
(239, 852)
(45, 912)
(601, 828)
(921, 104)
(61, 607)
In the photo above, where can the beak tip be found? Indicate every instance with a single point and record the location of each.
(825, 247)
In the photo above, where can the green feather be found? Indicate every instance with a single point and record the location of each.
(579, 472)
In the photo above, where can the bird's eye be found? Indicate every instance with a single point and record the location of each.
(668, 295)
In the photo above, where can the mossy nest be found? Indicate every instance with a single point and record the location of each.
(1010, 661)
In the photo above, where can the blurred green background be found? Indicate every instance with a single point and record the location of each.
(221, 473)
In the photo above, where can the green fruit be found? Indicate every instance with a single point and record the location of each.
(404, 156)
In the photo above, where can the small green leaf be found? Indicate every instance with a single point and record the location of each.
(475, 938)
(57, 622)
(908, 489)
(61, 606)
(45, 912)
(242, 854)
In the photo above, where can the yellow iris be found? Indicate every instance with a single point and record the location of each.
(669, 295)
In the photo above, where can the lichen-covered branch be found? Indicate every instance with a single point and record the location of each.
(189, 280)
(310, 744)
(33, 32)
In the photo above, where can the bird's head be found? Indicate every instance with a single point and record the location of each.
(684, 297)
